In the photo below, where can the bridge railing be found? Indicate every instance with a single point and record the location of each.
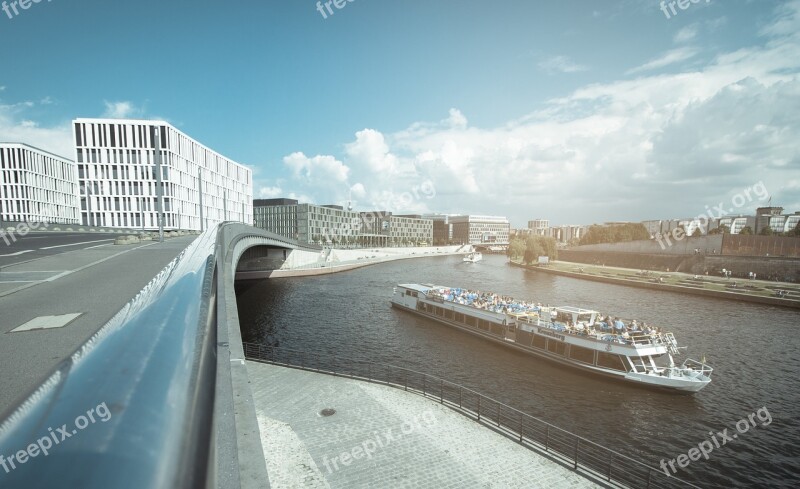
(582, 454)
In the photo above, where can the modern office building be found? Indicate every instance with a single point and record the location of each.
(480, 229)
(336, 226)
(442, 228)
(276, 215)
(539, 227)
(568, 233)
(410, 230)
(116, 161)
(37, 186)
(783, 223)
(327, 224)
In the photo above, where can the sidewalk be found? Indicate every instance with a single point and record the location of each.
(382, 437)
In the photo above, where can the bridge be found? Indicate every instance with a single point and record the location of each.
(160, 395)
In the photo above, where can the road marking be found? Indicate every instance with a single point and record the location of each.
(47, 322)
(95, 246)
(74, 244)
(17, 281)
(19, 253)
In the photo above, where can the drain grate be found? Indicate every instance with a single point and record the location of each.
(327, 412)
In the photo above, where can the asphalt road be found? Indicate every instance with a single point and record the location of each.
(85, 280)
(16, 249)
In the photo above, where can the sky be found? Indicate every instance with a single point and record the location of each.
(576, 111)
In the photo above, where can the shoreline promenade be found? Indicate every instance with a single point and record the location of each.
(755, 291)
(381, 436)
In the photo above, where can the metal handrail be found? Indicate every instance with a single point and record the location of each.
(531, 432)
(153, 368)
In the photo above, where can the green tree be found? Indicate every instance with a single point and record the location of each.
(767, 231)
(746, 231)
(697, 232)
(516, 248)
(721, 229)
(536, 246)
(615, 233)
(795, 231)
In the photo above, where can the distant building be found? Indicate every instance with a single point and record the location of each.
(442, 228)
(116, 168)
(565, 234)
(276, 215)
(410, 230)
(480, 229)
(539, 227)
(37, 186)
(334, 225)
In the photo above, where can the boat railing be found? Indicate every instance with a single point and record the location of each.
(594, 460)
(701, 367)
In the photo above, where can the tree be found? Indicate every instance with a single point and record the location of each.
(746, 231)
(767, 231)
(795, 231)
(516, 248)
(721, 229)
(615, 233)
(536, 246)
(697, 232)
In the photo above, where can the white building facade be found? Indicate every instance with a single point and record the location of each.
(480, 229)
(117, 175)
(37, 186)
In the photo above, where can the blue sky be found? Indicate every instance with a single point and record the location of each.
(576, 111)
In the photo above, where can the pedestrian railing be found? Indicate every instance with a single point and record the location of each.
(583, 455)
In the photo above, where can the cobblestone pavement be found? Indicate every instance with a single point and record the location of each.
(383, 437)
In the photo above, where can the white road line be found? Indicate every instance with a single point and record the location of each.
(17, 281)
(74, 244)
(95, 246)
(18, 253)
(32, 271)
(47, 322)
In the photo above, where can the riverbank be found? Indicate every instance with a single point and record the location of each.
(757, 291)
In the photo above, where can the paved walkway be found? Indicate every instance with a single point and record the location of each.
(383, 437)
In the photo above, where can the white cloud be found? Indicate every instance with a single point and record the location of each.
(270, 192)
(320, 170)
(121, 110)
(660, 146)
(561, 64)
(686, 34)
(669, 58)
(16, 126)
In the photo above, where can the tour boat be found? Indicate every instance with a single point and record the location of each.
(568, 335)
(473, 257)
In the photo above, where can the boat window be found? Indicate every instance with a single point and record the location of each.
(610, 360)
(483, 324)
(539, 341)
(472, 321)
(448, 314)
(581, 354)
(460, 317)
(556, 347)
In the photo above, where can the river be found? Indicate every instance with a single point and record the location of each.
(753, 349)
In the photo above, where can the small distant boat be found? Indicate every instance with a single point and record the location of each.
(473, 257)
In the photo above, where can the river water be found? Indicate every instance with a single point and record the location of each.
(753, 349)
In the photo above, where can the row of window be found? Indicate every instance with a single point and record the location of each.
(524, 338)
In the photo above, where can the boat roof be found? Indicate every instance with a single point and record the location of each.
(575, 310)
(419, 287)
